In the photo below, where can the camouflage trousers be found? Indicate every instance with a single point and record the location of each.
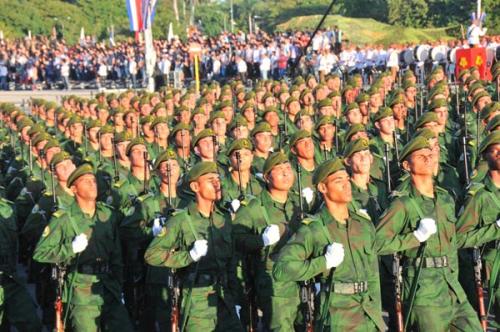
(280, 313)
(112, 316)
(17, 306)
(209, 309)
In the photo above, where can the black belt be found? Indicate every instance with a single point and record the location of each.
(206, 279)
(98, 268)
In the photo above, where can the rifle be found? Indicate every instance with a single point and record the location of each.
(478, 122)
(42, 170)
(466, 162)
(30, 157)
(240, 185)
(396, 148)
(336, 135)
(146, 178)
(116, 178)
(58, 274)
(53, 187)
(250, 294)
(414, 284)
(306, 287)
(175, 290)
(169, 178)
(186, 162)
(100, 149)
(483, 316)
(396, 260)
(85, 143)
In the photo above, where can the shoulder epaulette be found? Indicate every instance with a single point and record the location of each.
(59, 213)
(119, 183)
(474, 187)
(363, 214)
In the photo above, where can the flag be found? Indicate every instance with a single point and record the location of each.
(148, 12)
(135, 11)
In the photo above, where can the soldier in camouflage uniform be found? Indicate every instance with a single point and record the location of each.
(84, 238)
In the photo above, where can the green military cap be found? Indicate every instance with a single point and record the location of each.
(261, 127)
(350, 107)
(413, 145)
(147, 119)
(59, 157)
(323, 120)
(362, 97)
(180, 109)
(74, 120)
(474, 87)
(299, 80)
(462, 73)
(304, 92)
(200, 169)
(291, 100)
(408, 84)
(168, 154)
(239, 121)
(425, 132)
(326, 169)
(178, 127)
(110, 97)
(269, 110)
(35, 130)
(246, 106)
(240, 90)
(50, 105)
(383, 112)
(426, 118)
(202, 101)
(408, 74)
(79, 171)
(493, 124)
(492, 138)
(478, 96)
(276, 158)
(357, 145)
(398, 99)
(158, 106)
(489, 109)
(216, 115)
(202, 134)
(334, 94)
(353, 130)
(124, 136)
(24, 122)
(495, 73)
(267, 95)
(158, 120)
(94, 124)
(168, 96)
(373, 90)
(144, 101)
(436, 91)
(198, 110)
(40, 138)
(51, 143)
(134, 142)
(225, 103)
(250, 95)
(437, 103)
(327, 102)
(347, 88)
(107, 129)
(239, 144)
(298, 135)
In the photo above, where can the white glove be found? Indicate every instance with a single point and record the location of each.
(238, 310)
(271, 235)
(425, 229)
(156, 227)
(498, 223)
(308, 194)
(199, 250)
(235, 205)
(79, 243)
(334, 255)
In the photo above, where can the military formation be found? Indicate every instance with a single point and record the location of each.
(291, 206)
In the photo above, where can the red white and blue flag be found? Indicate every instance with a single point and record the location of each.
(141, 13)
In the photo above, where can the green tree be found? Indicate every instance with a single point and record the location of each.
(408, 12)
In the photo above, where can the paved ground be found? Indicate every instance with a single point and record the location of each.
(20, 97)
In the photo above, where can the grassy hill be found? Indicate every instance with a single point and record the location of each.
(366, 30)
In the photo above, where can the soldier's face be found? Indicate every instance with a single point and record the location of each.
(326, 132)
(245, 162)
(354, 116)
(64, 169)
(86, 187)
(147, 131)
(493, 157)
(361, 162)
(183, 138)
(205, 147)
(121, 149)
(442, 115)
(240, 132)
(272, 118)
(386, 125)
(399, 111)
(281, 177)
(219, 126)
(326, 110)
(304, 148)
(76, 129)
(162, 130)
(337, 187)
(263, 141)
(421, 162)
(49, 153)
(361, 134)
(174, 168)
(432, 126)
(208, 187)
(93, 134)
(137, 155)
(106, 141)
(483, 101)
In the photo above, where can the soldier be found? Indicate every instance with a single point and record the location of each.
(440, 303)
(482, 208)
(261, 228)
(197, 242)
(262, 140)
(317, 250)
(84, 238)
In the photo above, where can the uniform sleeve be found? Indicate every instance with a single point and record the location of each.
(295, 262)
(392, 232)
(244, 232)
(55, 244)
(166, 249)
